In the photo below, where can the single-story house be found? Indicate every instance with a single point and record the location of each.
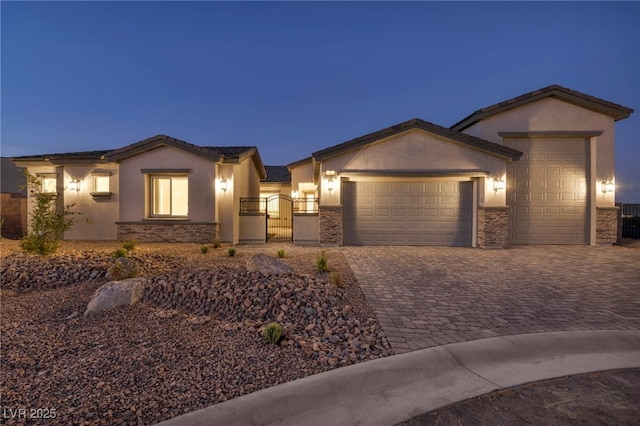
(535, 169)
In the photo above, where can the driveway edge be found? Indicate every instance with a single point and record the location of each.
(390, 390)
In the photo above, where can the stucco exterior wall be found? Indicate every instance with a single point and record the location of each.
(99, 214)
(302, 179)
(415, 150)
(305, 229)
(549, 114)
(134, 201)
(253, 228)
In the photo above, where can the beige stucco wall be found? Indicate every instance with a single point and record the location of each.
(243, 181)
(305, 229)
(253, 228)
(101, 212)
(414, 150)
(302, 178)
(549, 114)
(134, 204)
(98, 215)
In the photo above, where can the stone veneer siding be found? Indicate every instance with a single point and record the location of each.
(330, 225)
(492, 227)
(606, 225)
(168, 232)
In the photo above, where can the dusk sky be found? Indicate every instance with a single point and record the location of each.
(293, 78)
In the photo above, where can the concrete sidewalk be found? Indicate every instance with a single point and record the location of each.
(394, 389)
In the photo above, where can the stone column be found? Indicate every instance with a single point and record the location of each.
(606, 225)
(330, 218)
(492, 227)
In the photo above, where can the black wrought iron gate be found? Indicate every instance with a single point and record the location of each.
(279, 218)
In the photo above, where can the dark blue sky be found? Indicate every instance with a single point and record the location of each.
(293, 78)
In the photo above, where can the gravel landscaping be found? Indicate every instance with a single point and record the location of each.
(195, 340)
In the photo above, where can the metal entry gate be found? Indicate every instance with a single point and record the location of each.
(279, 218)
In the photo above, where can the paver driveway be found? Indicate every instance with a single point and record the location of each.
(429, 296)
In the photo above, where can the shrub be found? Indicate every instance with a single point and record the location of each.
(123, 268)
(204, 249)
(335, 279)
(232, 251)
(120, 253)
(49, 219)
(280, 253)
(322, 263)
(273, 333)
(216, 243)
(129, 245)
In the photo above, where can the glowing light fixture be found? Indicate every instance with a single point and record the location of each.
(74, 184)
(608, 185)
(330, 174)
(224, 184)
(499, 183)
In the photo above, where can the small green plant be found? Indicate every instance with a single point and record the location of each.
(120, 253)
(273, 333)
(216, 243)
(335, 279)
(232, 251)
(322, 262)
(281, 253)
(204, 249)
(49, 218)
(129, 245)
(122, 269)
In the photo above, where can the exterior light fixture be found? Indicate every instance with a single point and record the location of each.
(330, 174)
(498, 183)
(294, 194)
(608, 185)
(224, 184)
(74, 184)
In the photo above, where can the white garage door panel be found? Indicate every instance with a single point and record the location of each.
(547, 192)
(413, 213)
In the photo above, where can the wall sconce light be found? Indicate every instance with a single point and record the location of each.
(608, 185)
(74, 184)
(294, 194)
(498, 183)
(329, 174)
(224, 184)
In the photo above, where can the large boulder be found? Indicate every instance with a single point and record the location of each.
(267, 265)
(116, 293)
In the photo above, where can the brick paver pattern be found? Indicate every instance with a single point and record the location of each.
(429, 296)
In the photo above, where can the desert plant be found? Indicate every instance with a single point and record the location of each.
(273, 332)
(281, 253)
(204, 249)
(49, 219)
(232, 251)
(121, 252)
(335, 279)
(122, 269)
(129, 245)
(216, 243)
(322, 263)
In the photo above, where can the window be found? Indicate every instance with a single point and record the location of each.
(101, 184)
(169, 196)
(49, 182)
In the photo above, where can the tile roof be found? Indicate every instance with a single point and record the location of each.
(81, 155)
(277, 174)
(417, 123)
(611, 109)
(159, 140)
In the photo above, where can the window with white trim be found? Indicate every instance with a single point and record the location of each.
(169, 195)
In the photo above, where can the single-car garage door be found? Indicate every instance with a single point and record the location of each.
(408, 213)
(547, 192)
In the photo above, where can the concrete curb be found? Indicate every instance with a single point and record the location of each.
(394, 389)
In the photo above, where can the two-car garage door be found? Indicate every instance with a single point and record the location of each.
(429, 212)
